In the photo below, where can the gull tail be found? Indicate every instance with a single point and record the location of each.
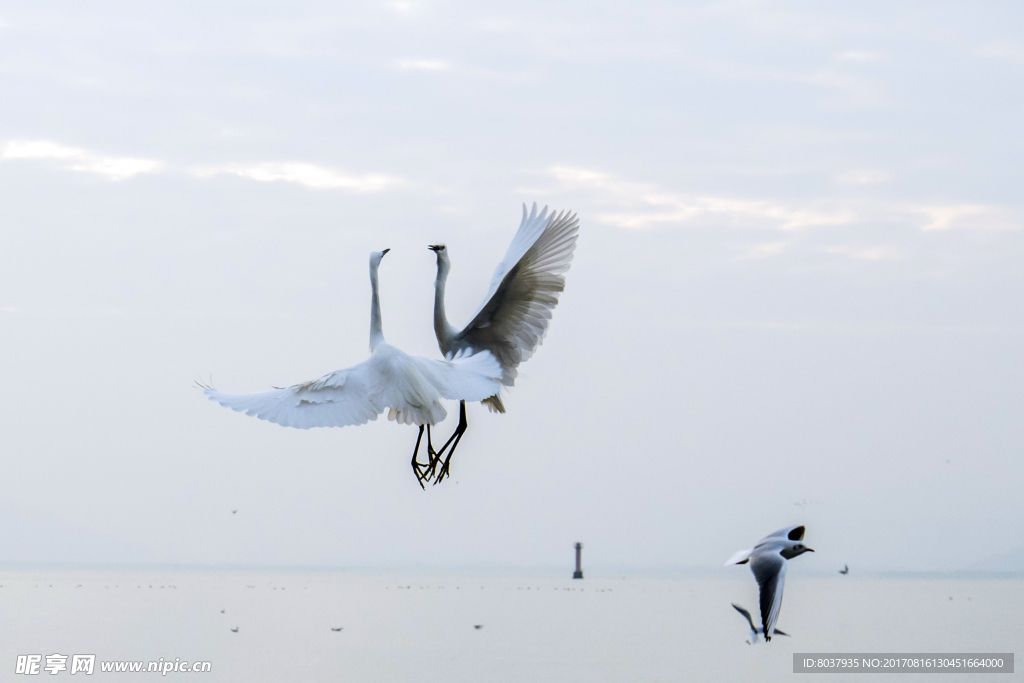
(739, 557)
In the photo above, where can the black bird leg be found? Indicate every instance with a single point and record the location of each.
(453, 441)
(418, 468)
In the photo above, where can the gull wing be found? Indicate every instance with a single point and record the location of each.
(792, 533)
(746, 614)
(339, 399)
(514, 317)
(770, 571)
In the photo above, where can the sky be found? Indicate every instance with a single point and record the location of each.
(795, 296)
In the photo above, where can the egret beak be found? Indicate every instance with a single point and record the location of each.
(433, 247)
(384, 252)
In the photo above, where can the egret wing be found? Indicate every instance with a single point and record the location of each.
(514, 317)
(339, 399)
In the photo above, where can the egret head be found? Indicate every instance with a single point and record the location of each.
(442, 256)
(376, 256)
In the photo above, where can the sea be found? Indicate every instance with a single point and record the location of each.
(307, 626)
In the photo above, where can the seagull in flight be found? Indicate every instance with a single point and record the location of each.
(753, 630)
(768, 563)
(513, 318)
(845, 569)
(410, 388)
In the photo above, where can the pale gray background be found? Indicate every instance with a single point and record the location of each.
(796, 296)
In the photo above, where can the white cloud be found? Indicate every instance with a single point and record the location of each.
(310, 175)
(640, 206)
(859, 57)
(648, 206)
(424, 64)
(968, 216)
(864, 177)
(1004, 51)
(77, 159)
(764, 250)
(403, 7)
(880, 253)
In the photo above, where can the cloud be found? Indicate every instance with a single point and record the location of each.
(864, 177)
(77, 159)
(968, 216)
(641, 206)
(859, 57)
(424, 65)
(1004, 51)
(880, 253)
(310, 175)
(403, 7)
(649, 206)
(764, 250)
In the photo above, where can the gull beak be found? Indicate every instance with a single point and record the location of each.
(433, 247)
(384, 251)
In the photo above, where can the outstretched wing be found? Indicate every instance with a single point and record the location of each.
(514, 317)
(340, 399)
(746, 614)
(770, 571)
(792, 533)
(410, 388)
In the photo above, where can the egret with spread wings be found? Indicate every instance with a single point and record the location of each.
(410, 388)
(513, 319)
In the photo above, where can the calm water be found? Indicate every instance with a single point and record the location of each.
(415, 628)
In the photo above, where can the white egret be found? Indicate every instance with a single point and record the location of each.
(410, 388)
(513, 319)
(768, 563)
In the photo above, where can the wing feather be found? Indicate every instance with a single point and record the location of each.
(514, 317)
(410, 388)
(770, 571)
(338, 399)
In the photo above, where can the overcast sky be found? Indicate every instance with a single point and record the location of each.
(796, 296)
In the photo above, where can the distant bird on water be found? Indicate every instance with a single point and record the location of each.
(753, 630)
(768, 563)
(234, 630)
(336, 630)
(478, 626)
(845, 569)
(513, 319)
(234, 512)
(410, 388)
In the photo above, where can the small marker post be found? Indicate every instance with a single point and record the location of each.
(578, 574)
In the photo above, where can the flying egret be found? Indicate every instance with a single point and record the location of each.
(768, 563)
(410, 388)
(514, 316)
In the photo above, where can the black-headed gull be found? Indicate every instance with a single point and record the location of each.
(768, 562)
